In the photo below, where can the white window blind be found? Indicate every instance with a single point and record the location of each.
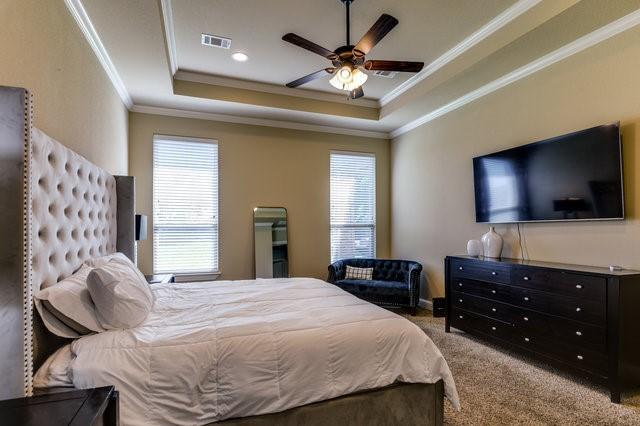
(353, 205)
(185, 205)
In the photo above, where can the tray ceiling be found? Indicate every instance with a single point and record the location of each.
(151, 51)
(427, 29)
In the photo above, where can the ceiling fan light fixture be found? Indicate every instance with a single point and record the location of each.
(348, 78)
(350, 60)
(344, 74)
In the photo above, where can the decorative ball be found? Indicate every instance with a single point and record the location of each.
(474, 248)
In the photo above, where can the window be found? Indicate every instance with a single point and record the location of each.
(353, 205)
(185, 205)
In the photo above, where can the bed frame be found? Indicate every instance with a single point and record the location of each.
(58, 211)
(400, 404)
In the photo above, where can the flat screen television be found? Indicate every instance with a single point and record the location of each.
(571, 177)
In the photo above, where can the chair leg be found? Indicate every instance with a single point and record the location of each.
(414, 311)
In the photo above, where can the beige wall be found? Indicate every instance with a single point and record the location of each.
(432, 182)
(43, 50)
(248, 178)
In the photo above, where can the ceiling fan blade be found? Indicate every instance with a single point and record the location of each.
(310, 46)
(402, 66)
(310, 77)
(381, 28)
(356, 93)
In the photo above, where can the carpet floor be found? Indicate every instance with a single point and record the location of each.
(498, 387)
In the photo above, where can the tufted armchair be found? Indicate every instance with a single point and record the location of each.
(394, 283)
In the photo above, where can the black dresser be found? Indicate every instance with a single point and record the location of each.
(582, 319)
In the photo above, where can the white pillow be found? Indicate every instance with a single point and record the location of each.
(121, 294)
(66, 308)
(98, 262)
(354, 273)
(55, 372)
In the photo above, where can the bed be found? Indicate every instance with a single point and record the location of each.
(216, 350)
(289, 351)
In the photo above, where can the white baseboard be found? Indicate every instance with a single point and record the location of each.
(426, 304)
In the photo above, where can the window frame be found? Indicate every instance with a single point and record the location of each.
(187, 276)
(375, 200)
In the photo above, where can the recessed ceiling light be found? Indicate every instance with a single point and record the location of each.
(240, 57)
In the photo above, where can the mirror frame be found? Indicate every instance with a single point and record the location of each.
(254, 237)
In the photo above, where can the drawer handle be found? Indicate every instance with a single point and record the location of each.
(493, 309)
(494, 273)
(578, 286)
(578, 309)
(493, 292)
(460, 316)
(460, 300)
(526, 318)
(526, 339)
(526, 299)
(526, 278)
(493, 328)
(459, 284)
(578, 333)
(461, 268)
(580, 357)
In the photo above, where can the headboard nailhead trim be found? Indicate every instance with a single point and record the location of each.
(27, 296)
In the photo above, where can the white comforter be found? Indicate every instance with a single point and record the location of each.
(216, 350)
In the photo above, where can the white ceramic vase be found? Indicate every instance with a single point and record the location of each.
(492, 243)
(474, 248)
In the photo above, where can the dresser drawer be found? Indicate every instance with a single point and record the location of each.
(568, 307)
(482, 271)
(553, 327)
(482, 306)
(580, 286)
(479, 288)
(559, 329)
(573, 355)
(577, 357)
(468, 321)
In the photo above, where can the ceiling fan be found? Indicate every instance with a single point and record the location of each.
(348, 61)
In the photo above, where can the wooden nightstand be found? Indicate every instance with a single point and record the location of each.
(160, 278)
(98, 406)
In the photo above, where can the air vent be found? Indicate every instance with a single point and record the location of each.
(216, 41)
(385, 74)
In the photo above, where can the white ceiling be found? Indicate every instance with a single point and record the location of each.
(467, 46)
(427, 29)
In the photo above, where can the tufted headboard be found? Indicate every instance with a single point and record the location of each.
(71, 210)
(74, 211)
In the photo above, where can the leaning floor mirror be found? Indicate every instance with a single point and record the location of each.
(271, 242)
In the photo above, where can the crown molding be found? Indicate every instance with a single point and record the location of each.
(197, 77)
(170, 38)
(86, 26)
(612, 29)
(171, 112)
(601, 34)
(483, 33)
